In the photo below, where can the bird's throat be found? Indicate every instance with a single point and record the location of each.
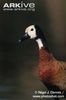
(40, 44)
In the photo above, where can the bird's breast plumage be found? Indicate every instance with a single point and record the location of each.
(50, 70)
(45, 60)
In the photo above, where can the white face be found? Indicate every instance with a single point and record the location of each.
(31, 31)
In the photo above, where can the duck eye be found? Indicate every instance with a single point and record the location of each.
(32, 29)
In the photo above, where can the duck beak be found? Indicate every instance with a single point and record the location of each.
(24, 37)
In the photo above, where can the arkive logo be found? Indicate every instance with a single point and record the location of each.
(29, 6)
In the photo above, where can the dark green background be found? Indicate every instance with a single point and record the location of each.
(18, 62)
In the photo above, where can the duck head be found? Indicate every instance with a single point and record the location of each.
(32, 32)
(35, 32)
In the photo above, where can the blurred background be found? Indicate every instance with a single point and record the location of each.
(18, 63)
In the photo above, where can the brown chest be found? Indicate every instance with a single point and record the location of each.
(49, 72)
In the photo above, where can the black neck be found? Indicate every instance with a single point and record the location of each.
(41, 36)
(44, 42)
